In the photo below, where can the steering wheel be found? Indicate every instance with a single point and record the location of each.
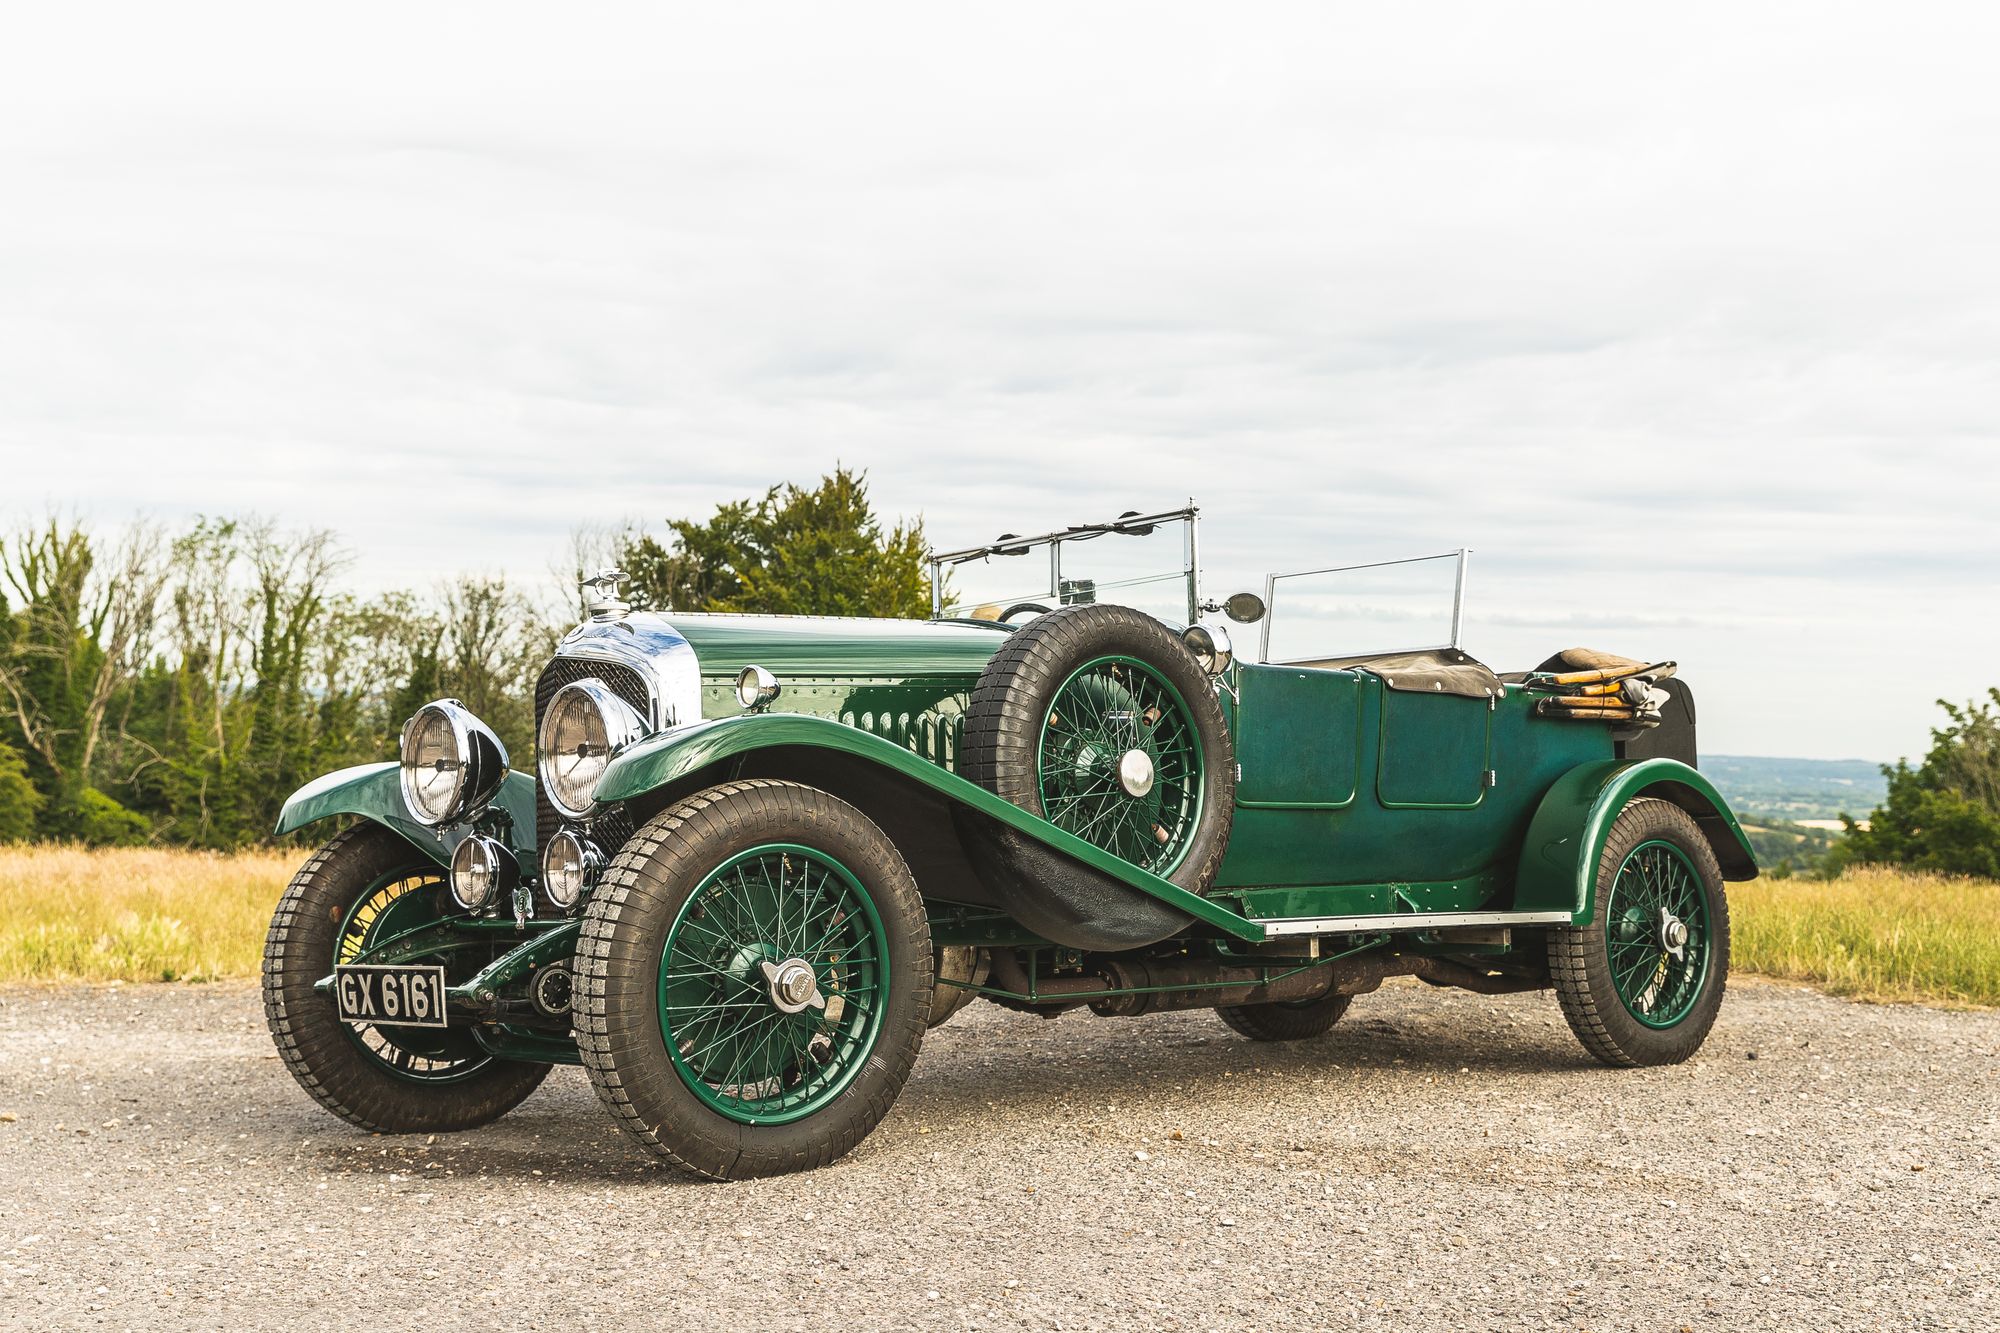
(1018, 608)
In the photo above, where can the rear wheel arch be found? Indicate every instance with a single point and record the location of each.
(1559, 857)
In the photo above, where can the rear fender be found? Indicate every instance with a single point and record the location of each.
(790, 741)
(375, 792)
(1558, 867)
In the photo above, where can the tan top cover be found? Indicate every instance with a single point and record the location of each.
(1434, 671)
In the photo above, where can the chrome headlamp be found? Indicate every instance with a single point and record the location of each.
(482, 869)
(571, 863)
(584, 726)
(452, 763)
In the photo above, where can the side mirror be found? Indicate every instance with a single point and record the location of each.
(1245, 608)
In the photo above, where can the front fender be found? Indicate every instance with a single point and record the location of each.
(375, 792)
(1558, 868)
(683, 751)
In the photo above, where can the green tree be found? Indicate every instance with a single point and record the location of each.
(1945, 814)
(19, 801)
(69, 637)
(794, 551)
(228, 717)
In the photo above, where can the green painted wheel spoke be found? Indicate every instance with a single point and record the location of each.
(735, 1048)
(696, 970)
(1642, 967)
(1656, 985)
(1104, 710)
(825, 942)
(743, 1026)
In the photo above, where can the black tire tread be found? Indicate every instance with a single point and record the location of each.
(1580, 971)
(308, 1036)
(614, 1044)
(1002, 721)
(1285, 1022)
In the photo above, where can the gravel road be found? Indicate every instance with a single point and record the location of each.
(1441, 1160)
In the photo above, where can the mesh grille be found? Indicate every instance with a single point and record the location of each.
(612, 830)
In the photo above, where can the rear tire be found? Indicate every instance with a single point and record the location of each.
(445, 1082)
(1296, 1021)
(961, 963)
(1631, 997)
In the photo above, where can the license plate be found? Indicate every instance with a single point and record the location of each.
(410, 997)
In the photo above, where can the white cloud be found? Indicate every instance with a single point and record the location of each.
(1686, 321)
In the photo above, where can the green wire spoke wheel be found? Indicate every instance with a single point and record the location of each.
(771, 984)
(1099, 719)
(366, 886)
(1120, 762)
(753, 980)
(1642, 984)
(1656, 934)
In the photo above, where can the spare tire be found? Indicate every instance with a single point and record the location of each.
(1099, 719)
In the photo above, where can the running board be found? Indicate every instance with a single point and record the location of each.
(1335, 925)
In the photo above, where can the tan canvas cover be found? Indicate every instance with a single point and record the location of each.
(1589, 659)
(1433, 671)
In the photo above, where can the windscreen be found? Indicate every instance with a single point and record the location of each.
(1365, 610)
(1146, 570)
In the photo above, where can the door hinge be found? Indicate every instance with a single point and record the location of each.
(1491, 778)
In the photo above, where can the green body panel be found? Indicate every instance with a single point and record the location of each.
(1365, 799)
(1303, 766)
(803, 647)
(674, 754)
(1558, 866)
(1432, 751)
(1353, 800)
(906, 681)
(375, 792)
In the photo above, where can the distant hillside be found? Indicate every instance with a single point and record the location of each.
(1796, 789)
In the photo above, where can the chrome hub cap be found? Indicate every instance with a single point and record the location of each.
(1135, 772)
(1673, 933)
(792, 986)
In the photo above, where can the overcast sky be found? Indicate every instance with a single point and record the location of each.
(1687, 319)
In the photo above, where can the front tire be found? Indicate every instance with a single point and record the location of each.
(1641, 985)
(753, 979)
(363, 886)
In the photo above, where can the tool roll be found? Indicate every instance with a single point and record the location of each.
(1589, 686)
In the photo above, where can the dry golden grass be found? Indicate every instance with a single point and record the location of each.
(136, 914)
(1873, 934)
(67, 914)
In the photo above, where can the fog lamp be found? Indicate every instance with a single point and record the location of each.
(571, 864)
(481, 870)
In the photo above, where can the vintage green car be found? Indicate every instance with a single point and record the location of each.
(762, 854)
